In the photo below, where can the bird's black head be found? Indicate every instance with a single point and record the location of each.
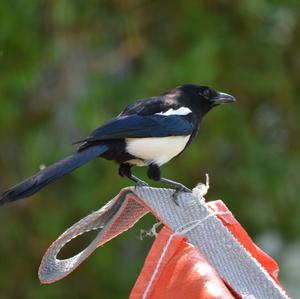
(201, 98)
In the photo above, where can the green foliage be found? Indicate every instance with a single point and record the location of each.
(68, 66)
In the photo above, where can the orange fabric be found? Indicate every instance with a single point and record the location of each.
(237, 230)
(183, 272)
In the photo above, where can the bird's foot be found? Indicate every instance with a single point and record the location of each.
(125, 171)
(138, 182)
(141, 184)
(178, 191)
(179, 188)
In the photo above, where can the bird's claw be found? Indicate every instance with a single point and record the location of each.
(140, 184)
(176, 193)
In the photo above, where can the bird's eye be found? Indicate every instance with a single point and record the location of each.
(206, 94)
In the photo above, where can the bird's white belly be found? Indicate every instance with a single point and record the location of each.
(158, 150)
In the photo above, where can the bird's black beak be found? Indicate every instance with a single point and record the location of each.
(222, 98)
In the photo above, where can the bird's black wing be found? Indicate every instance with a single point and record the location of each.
(149, 106)
(137, 126)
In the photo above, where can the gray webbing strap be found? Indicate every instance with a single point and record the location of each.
(203, 229)
(192, 219)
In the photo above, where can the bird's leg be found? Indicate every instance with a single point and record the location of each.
(125, 171)
(154, 174)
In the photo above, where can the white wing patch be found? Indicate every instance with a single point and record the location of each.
(180, 111)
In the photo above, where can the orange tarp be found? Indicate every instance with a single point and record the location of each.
(176, 269)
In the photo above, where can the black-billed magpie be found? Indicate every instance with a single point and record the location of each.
(149, 132)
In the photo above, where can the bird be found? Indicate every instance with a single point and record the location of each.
(149, 132)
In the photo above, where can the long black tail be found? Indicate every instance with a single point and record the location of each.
(51, 173)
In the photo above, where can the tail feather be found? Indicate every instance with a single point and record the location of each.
(51, 173)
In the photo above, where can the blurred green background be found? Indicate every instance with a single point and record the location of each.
(68, 66)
